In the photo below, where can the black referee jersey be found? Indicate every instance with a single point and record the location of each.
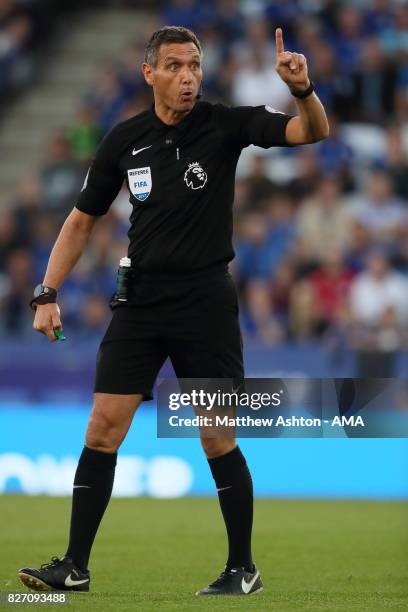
(181, 182)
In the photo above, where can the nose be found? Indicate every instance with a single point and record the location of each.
(186, 75)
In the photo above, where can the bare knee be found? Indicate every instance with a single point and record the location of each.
(215, 447)
(102, 433)
(109, 421)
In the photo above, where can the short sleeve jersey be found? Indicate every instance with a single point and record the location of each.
(180, 180)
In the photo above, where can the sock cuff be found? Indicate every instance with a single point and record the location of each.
(226, 463)
(97, 460)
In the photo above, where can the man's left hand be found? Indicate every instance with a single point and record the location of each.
(291, 67)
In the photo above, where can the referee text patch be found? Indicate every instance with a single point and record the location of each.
(140, 182)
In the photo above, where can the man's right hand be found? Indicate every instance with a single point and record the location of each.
(47, 318)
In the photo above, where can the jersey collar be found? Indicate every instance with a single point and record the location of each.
(183, 125)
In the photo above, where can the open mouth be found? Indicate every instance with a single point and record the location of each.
(186, 96)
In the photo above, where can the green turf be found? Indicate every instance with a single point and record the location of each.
(154, 554)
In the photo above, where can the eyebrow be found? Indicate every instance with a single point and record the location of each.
(172, 58)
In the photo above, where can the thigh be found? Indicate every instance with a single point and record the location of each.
(207, 342)
(130, 355)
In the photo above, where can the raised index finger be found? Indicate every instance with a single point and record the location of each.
(279, 41)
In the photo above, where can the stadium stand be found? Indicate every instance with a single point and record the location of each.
(320, 230)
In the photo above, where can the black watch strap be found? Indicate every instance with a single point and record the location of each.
(43, 295)
(305, 93)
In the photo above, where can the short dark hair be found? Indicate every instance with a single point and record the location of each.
(168, 34)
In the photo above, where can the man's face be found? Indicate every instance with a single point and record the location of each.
(176, 78)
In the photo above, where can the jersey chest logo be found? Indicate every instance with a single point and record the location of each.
(140, 182)
(194, 176)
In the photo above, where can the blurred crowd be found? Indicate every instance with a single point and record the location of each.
(321, 231)
(23, 25)
(17, 31)
(26, 28)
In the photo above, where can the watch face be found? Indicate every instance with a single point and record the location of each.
(38, 290)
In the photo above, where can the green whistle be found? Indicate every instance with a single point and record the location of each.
(59, 335)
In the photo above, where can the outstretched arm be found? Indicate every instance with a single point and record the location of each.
(311, 124)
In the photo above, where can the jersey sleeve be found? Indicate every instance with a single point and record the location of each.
(263, 126)
(103, 180)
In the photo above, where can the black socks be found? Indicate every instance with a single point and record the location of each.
(235, 493)
(93, 485)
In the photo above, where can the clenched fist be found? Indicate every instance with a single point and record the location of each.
(47, 318)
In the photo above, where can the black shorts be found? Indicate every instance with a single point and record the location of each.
(192, 321)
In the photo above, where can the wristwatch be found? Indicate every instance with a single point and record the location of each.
(43, 295)
(305, 92)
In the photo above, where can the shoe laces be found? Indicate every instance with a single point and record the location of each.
(54, 561)
(223, 576)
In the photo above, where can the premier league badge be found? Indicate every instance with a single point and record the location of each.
(194, 176)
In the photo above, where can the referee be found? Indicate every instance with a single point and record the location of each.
(179, 160)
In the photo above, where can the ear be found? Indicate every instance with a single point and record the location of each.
(148, 73)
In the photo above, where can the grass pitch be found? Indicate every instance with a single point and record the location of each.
(154, 554)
